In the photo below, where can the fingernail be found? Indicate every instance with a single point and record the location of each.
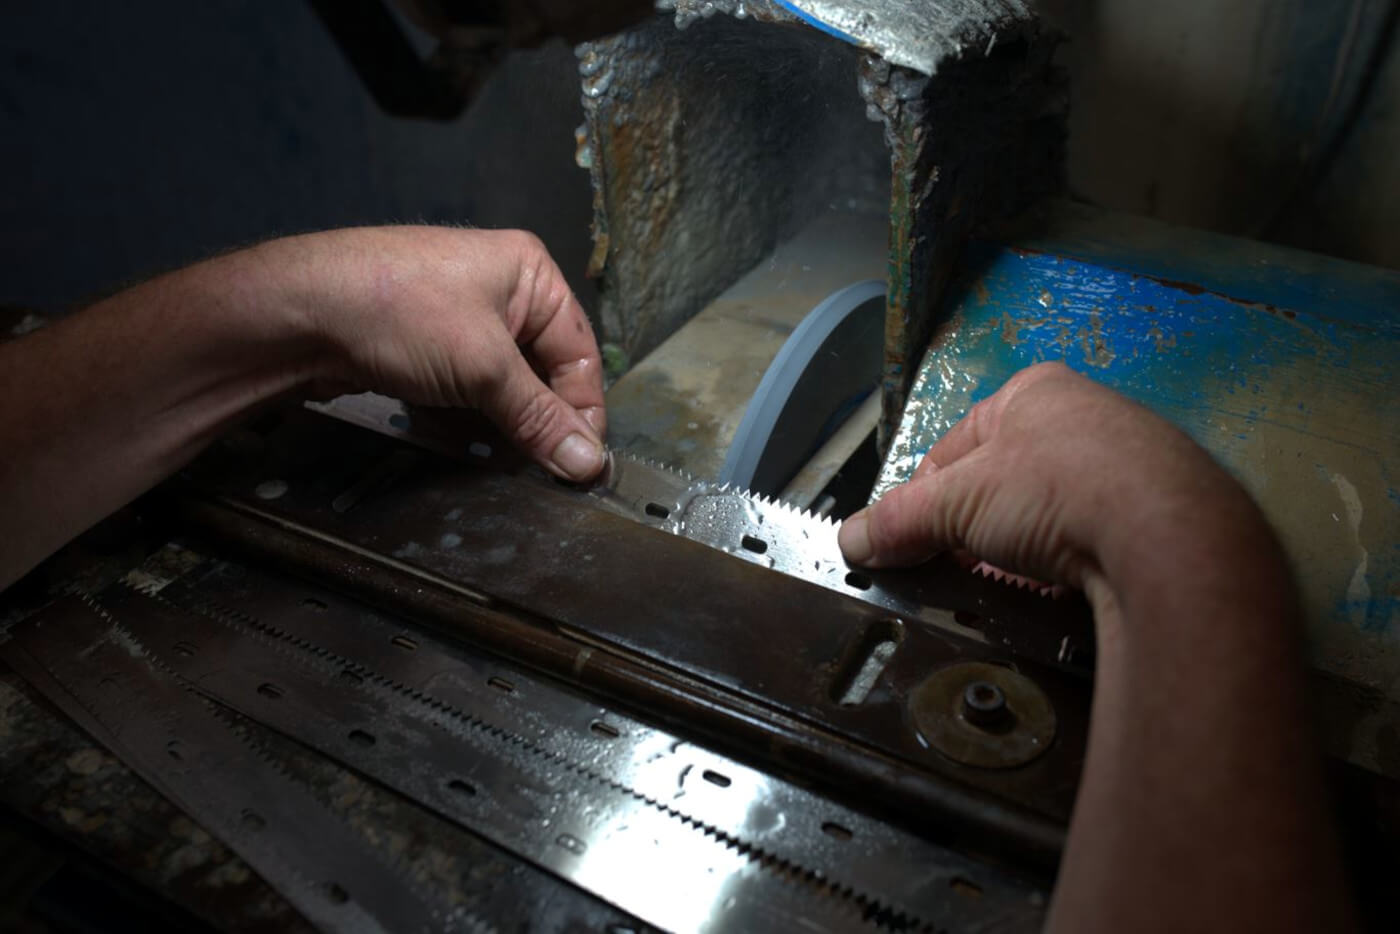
(578, 458)
(854, 538)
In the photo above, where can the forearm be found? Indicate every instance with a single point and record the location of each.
(99, 407)
(1201, 799)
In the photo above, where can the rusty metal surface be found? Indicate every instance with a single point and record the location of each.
(984, 715)
(1007, 150)
(1281, 364)
(709, 144)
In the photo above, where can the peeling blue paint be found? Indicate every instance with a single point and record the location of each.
(1302, 370)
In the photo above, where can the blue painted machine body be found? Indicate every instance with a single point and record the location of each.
(1280, 363)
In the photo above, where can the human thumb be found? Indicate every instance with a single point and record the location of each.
(551, 431)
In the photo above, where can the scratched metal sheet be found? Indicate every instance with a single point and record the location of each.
(1292, 387)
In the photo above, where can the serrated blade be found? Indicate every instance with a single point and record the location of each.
(798, 543)
(544, 782)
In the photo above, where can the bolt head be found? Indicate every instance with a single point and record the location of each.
(984, 704)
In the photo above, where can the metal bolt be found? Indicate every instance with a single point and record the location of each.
(984, 704)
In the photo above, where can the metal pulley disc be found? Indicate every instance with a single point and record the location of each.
(984, 715)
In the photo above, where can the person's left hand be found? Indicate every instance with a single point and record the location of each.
(463, 318)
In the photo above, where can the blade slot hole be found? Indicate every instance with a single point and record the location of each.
(857, 580)
(501, 684)
(461, 787)
(866, 661)
(269, 690)
(658, 511)
(838, 831)
(606, 730)
(405, 643)
(361, 738)
(717, 778)
(757, 545)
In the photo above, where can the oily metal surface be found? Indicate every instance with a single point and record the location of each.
(83, 661)
(598, 797)
(692, 615)
(1021, 729)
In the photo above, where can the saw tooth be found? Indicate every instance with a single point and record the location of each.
(1019, 581)
(987, 570)
(653, 464)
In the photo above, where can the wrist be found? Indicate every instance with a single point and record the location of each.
(279, 297)
(1182, 540)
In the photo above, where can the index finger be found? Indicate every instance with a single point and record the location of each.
(980, 423)
(567, 353)
(556, 337)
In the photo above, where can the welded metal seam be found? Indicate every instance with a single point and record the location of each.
(871, 910)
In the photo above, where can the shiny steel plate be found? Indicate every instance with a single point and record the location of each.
(84, 661)
(679, 836)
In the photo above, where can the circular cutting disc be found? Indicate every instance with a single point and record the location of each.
(831, 358)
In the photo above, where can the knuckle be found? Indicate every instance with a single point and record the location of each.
(535, 419)
(878, 528)
(890, 515)
(1040, 372)
(525, 243)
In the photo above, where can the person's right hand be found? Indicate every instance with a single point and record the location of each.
(1060, 478)
(1200, 805)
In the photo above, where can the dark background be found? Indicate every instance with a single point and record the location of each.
(139, 136)
(135, 137)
